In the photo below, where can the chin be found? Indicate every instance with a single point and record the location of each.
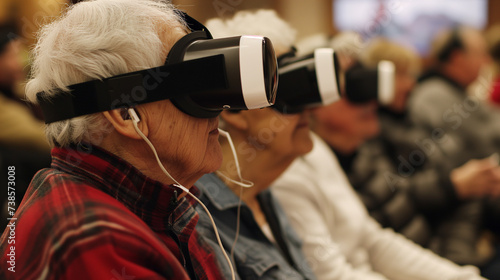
(303, 145)
(307, 147)
(213, 159)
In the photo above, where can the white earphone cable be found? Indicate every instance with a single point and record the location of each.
(242, 183)
(135, 120)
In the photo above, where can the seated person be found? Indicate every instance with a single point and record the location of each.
(112, 205)
(460, 125)
(493, 39)
(413, 199)
(266, 142)
(22, 137)
(340, 239)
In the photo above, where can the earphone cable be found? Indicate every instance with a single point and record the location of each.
(135, 120)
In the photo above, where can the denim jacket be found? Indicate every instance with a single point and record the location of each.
(255, 257)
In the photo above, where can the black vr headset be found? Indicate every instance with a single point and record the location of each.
(201, 76)
(307, 81)
(363, 84)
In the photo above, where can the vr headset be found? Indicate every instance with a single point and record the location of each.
(201, 76)
(363, 84)
(307, 81)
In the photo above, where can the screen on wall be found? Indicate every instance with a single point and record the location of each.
(412, 22)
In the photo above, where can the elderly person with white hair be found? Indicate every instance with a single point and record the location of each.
(257, 233)
(111, 206)
(340, 239)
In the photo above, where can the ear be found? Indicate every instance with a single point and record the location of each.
(124, 125)
(236, 120)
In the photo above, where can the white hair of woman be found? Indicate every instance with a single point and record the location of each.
(113, 39)
(261, 22)
(349, 46)
(347, 43)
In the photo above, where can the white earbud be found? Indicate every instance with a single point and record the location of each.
(133, 115)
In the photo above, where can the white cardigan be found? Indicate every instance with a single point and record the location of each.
(341, 240)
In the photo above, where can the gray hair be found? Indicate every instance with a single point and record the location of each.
(261, 23)
(94, 40)
(348, 43)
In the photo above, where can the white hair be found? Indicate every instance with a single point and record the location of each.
(97, 39)
(261, 23)
(348, 43)
(308, 44)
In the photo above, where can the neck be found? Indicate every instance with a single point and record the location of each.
(260, 166)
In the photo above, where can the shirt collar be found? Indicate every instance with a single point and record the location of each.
(154, 202)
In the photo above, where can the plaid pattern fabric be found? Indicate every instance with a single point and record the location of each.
(94, 216)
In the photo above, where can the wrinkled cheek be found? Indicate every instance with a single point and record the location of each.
(344, 127)
(290, 143)
(373, 129)
(213, 155)
(305, 145)
(184, 156)
(205, 156)
(263, 137)
(266, 136)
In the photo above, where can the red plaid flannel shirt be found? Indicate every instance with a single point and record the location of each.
(94, 216)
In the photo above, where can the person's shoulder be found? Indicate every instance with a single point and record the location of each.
(434, 88)
(64, 218)
(57, 203)
(61, 190)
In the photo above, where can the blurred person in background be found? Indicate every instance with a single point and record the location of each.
(28, 16)
(428, 204)
(461, 126)
(22, 137)
(266, 142)
(348, 45)
(341, 240)
(493, 39)
(19, 127)
(22, 141)
(360, 121)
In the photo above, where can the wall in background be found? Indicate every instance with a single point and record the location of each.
(493, 12)
(307, 17)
